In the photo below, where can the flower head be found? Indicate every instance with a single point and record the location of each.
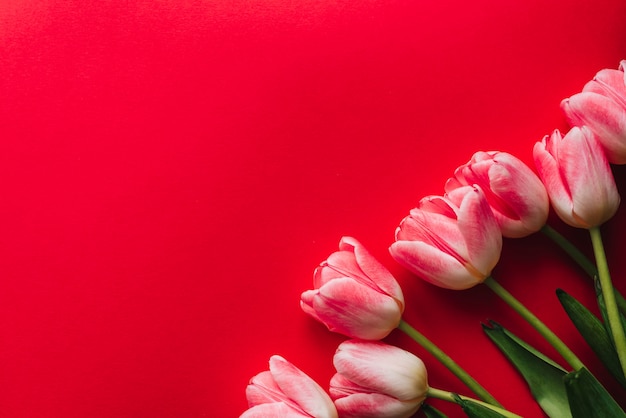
(286, 391)
(354, 294)
(517, 197)
(377, 380)
(452, 241)
(602, 107)
(578, 177)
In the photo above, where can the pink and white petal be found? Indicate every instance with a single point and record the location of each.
(300, 388)
(340, 387)
(432, 228)
(606, 118)
(454, 183)
(339, 264)
(584, 162)
(550, 174)
(478, 172)
(378, 276)
(375, 405)
(357, 311)
(437, 205)
(456, 196)
(441, 232)
(306, 303)
(523, 192)
(506, 194)
(481, 233)
(432, 265)
(263, 389)
(609, 83)
(372, 268)
(382, 368)
(273, 410)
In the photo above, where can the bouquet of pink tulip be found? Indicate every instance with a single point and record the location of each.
(454, 241)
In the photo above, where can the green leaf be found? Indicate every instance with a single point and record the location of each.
(476, 410)
(594, 332)
(588, 398)
(432, 412)
(543, 376)
(602, 306)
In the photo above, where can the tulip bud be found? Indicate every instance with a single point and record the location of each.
(602, 107)
(517, 197)
(377, 380)
(286, 391)
(453, 241)
(577, 177)
(354, 294)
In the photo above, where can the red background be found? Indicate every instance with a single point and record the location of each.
(171, 172)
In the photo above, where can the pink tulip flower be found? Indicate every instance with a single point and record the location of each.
(453, 241)
(602, 107)
(578, 177)
(377, 380)
(285, 391)
(517, 197)
(354, 294)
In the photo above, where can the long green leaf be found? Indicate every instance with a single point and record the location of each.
(432, 412)
(476, 410)
(543, 376)
(594, 332)
(602, 306)
(588, 398)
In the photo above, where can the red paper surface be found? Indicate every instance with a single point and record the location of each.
(171, 172)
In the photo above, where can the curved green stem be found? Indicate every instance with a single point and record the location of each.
(587, 265)
(613, 318)
(571, 250)
(542, 328)
(450, 364)
(450, 397)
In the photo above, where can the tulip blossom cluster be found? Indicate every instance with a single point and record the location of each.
(453, 241)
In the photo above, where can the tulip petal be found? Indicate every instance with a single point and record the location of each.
(433, 265)
(437, 205)
(481, 233)
(439, 231)
(339, 264)
(521, 192)
(609, 83)
(582, 160)
(273, 410)
(605, 117)
(382, 368)
(303, 390)
(377, 276)
(263, 389)
(306, 303)
(550, 174)
(375, 405)
(347, 307)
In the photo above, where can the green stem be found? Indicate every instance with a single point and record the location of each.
(571, 250)
(450, 364)
(546, 332)
(450, 397)
(587, 265)
(613, 318)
